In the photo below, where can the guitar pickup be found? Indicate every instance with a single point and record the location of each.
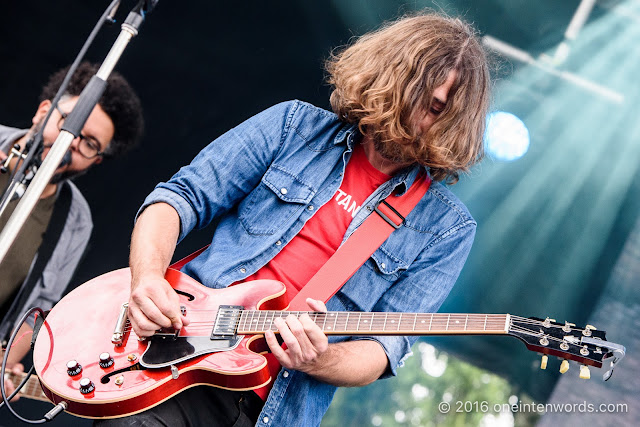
(226, 323)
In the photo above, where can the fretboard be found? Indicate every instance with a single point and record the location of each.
(31, 389)
(381, 323)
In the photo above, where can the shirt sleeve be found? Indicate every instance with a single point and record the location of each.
(226, 170)
(424, 287)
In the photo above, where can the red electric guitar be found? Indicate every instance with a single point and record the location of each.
(87, 356)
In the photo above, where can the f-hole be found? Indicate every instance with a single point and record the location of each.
(134, 367)
(186, 294)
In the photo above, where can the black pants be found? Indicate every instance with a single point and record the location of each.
(197, 406)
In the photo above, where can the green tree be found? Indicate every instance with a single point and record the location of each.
(432, 389)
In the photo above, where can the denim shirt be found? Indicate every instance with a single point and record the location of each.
(264, 179)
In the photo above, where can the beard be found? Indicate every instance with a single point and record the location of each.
(61, 176)
(66, 175)
(394, 152)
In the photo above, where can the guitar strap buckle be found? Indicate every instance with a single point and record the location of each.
(391, 216)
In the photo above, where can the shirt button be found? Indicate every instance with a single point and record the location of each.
(383, 265)
(265, 420)
(283, 190)
(243, 270)
(310, 207)
(278, 243)
(285, 374)
(369, 208)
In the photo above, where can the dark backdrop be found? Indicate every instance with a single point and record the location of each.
(202, 67)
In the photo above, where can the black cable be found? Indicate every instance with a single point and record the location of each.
(4, 365)
(19, 387)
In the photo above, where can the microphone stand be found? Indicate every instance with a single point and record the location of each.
(73, 125)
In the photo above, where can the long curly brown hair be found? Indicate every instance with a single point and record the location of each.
(384, 81)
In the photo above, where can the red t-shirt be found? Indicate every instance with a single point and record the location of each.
(321, 236)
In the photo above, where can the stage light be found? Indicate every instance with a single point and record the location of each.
(506, 137)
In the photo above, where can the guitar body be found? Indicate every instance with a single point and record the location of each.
(80, 328)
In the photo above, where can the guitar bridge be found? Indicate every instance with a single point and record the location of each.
(119, 331)
(226, 323)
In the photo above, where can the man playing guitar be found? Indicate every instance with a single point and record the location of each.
(291, 184)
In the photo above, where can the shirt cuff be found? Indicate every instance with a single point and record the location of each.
(397, 349)
(188, 218)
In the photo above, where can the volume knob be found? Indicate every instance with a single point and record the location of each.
(86, 386)
(106, 360)
(73, 368)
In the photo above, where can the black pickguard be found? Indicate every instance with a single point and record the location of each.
(166, 351)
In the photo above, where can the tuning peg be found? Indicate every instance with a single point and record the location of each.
(584, 372)
(547, 322)
(567, 326)
(587, 330)
(564, 366)
(543, 363)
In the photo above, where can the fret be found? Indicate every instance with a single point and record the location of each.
(271, 324)
(399, 322)
(258, 320)
(486, 316)
(242, 323)
(446, 328)
(466, 320)
(325, 321)
(252, 324)
(384, 324)
(359, 319)
(430, 321)
(335, 320)
(347, 322)
(415, 319)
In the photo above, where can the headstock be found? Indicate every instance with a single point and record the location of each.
(587, 345)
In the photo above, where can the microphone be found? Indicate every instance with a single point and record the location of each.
(66, 159)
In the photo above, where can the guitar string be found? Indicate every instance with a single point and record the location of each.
(494, 324)
(375, 322)
(376, 318)
(551, 338)
(442, 315)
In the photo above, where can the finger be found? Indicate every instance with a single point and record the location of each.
(170, 307)
(287, 336)
(279, 353)
(152, 312)
(140, 324)
(296, 328)
(316, 305)
(9, 388)
(314, 334)
(17, 369)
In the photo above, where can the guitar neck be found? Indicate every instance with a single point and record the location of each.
(31, 389)
(381, 323)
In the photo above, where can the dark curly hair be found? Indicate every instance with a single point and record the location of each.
(119, 101)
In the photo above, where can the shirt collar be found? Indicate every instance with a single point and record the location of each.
(347, 135)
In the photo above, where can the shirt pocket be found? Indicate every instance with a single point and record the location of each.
(386, 266)
(371, 281)
(275, 203)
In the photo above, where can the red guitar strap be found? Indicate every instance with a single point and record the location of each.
(389, 216)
